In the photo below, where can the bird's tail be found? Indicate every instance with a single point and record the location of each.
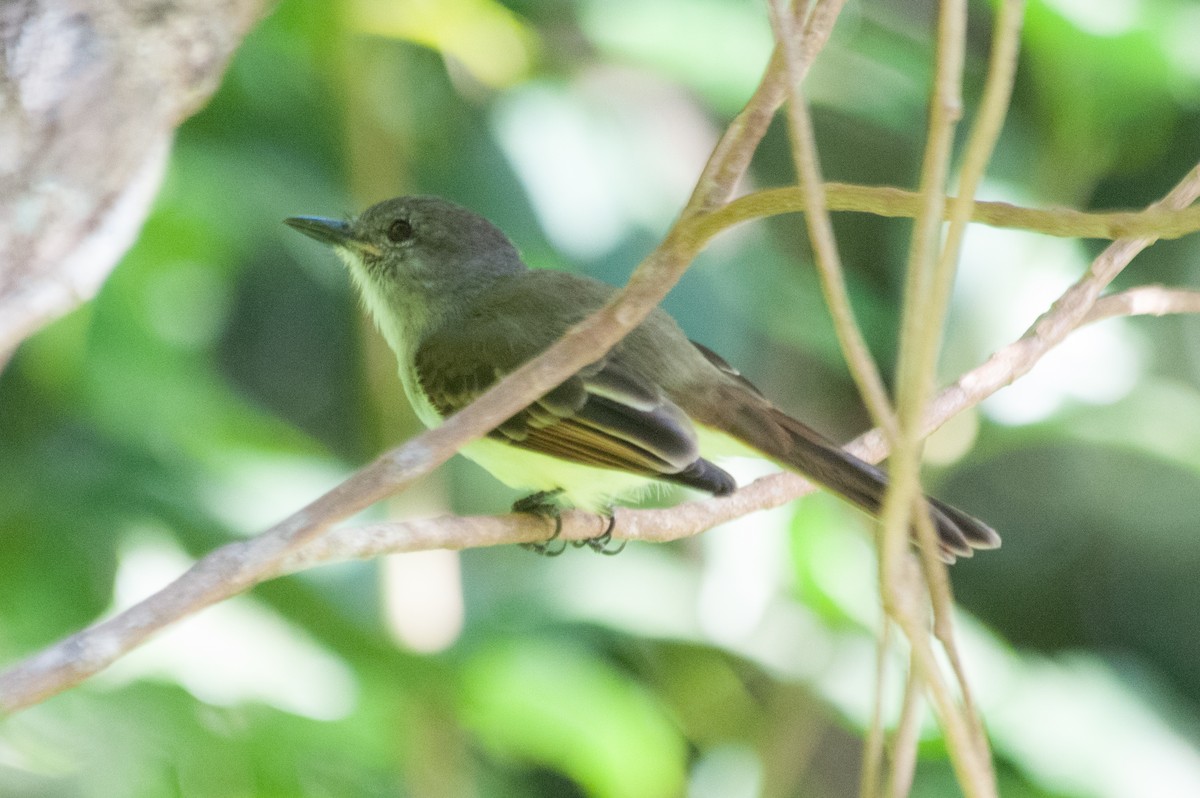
(800, 448)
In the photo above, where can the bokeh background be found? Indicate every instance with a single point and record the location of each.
(225, 376)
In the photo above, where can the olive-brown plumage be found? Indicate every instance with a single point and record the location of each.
(460, 309)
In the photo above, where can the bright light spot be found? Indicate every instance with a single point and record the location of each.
(744, 566)
(602, 157)
(1080, 729)
(680, 37)
(423, 599)
(645, 591)
(1009, 279)
(1107, 18)
(844, 569)
(848, 678)
(1180, 38)
(237, 651)
(258, 491)
(492, 42)
(727, 771)
(951, 441)
(571, 166)
(1098, 364)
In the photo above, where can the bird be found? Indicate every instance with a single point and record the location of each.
(460, 309)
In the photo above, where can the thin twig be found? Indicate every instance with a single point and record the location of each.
(907, 609)
(898, 203)
(1070, 309)
(820, 229)
(731, 157)
(916, 328)
(919, 329)
(908, 733)
(927, 289)
(981, 143)
(1144, 300)
(870, 780)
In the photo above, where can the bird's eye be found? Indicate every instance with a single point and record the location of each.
(400, 230)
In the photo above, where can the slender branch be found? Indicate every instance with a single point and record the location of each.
(897, 203)
(920, 328)
(930, 271)
(908, 732)
(1144, 300)
(981, 143)
(908, 610)
(731, 157)
(820, 229)
(869, 780)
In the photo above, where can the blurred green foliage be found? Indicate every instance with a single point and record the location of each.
(224, 376)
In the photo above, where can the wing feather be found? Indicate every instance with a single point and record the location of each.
(608, 415)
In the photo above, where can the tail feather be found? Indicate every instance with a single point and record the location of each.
(800, 448)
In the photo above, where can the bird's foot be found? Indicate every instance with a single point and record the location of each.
(542, 504)
(600, 543)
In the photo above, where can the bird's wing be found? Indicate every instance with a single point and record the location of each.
(607, 415)
(723, 366)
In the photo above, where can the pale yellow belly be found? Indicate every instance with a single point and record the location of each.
(585, 487)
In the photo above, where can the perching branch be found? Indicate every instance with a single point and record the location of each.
(691, 518)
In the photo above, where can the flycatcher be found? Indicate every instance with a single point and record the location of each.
(460, 309)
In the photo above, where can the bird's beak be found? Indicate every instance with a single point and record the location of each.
(334, 232)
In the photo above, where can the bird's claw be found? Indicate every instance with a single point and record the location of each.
(541, 505)
(600, 543)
